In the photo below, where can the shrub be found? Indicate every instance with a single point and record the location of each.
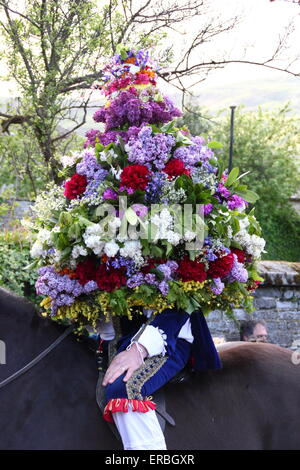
(14, 257)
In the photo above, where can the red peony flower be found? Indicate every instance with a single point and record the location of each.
(221, 266)
(240, 254)
(135, 177)
(189, 270)
(109, 279)
(86, 271)
(75, 186)
(175, 167)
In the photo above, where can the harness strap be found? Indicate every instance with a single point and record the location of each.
(37, 359)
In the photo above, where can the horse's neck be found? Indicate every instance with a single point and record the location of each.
(24, 334)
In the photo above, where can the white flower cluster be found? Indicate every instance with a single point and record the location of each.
(203, 176)
(78, 250)
(164, 223)
(49, 201)
(70, 160)
(133, 249)
(111, 248)
(93, 238)
(189, 236)
(38, 248)
(116, 172)
(107, 155)
(252, 244)
(44, 235)
(170, 195)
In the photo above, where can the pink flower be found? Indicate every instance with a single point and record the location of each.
(140, 210)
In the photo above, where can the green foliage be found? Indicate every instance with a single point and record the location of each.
(267, 144)
(14, 257)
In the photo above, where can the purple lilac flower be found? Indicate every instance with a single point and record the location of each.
(127, 108)
(90, 286)
(154, 188)
(95, 174)
(122, 262)
(217, 286)
(60, 288)
(104, 138)
(109, 193)
(208, 241)
(238, 272)
(90, 168)
(166, 270)
(235, 202)
(172, 265)
(150, 278)
(135, 280)
(148, 148)
(163, 287)
(194, 153)
(223, 191)
(210, 255)
(207, 209)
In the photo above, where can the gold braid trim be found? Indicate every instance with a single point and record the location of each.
(142, 375)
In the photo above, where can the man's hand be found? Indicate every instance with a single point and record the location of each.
(129, 360)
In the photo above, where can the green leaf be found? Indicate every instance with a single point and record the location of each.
(232, 176)
(156, 251)
(169, 248)
(65, 218)
(249, 196)
(183, 139)
(215, 145)
(66, 252)
(33, 265)
(167, 127)
(83, 222)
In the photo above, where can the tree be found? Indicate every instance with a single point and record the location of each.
(23, 173)
(55, 50)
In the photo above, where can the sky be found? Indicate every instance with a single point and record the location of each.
(262, 23)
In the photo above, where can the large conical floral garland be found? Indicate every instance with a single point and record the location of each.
(147, 216)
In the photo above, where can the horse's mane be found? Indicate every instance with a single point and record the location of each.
(15, 302)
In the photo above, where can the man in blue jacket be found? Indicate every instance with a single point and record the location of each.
(144, 363)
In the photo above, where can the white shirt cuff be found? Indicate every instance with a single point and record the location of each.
(154, 340)
(186, 332)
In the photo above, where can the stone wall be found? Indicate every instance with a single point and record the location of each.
(277, 301)
(19, 208)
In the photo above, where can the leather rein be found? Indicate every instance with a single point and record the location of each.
(37, 359)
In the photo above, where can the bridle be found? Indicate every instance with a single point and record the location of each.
(37, 359)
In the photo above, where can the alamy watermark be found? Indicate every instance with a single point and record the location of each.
(2, 352)
(183, 222)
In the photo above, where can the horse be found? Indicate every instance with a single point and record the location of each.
(251, 403)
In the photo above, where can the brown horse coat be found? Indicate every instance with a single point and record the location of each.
(252, 403)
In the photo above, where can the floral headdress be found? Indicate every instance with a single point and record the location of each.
(147, 216)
